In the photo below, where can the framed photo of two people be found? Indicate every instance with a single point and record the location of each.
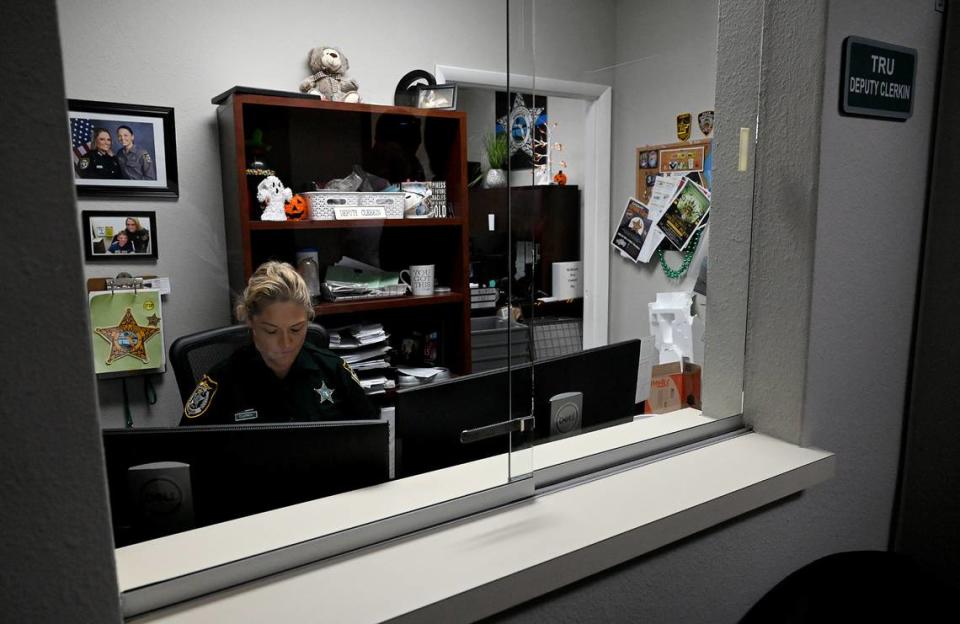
(122, 150)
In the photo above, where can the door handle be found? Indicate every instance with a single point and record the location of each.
(525, 423)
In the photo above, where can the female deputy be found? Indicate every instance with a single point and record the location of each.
(280, 377)
(99, 162)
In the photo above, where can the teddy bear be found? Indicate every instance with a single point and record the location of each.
(272, 194)
(329, 79)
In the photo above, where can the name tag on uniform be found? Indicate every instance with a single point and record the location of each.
(249, 414)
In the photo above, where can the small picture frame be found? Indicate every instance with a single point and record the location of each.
(122, 150)
(437, 97)
(119, 236)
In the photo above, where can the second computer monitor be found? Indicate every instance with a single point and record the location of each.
(600, 383)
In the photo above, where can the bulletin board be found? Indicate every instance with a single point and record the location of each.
(682, 158)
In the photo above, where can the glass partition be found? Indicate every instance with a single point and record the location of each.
(396, 264)
(612, 169)
(310, 232)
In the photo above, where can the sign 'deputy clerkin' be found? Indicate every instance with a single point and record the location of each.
(878, 79)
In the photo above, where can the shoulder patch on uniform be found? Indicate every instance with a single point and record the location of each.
(146, 158)
(350, 370)
(84, 162)
(200, 398)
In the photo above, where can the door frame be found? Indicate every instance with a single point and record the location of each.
(595, 217)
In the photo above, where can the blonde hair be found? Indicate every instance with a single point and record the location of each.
(272, 282)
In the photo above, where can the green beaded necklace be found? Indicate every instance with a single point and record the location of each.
(688, 253)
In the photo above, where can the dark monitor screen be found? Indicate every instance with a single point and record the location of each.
(239, 470)
(430, 418)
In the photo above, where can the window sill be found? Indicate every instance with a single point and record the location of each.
(150, 563)
(492, 561)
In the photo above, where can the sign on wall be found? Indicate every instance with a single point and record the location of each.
(878, 79)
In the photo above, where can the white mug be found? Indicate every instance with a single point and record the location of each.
(421, 279)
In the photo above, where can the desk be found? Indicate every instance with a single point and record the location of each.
(489, 562)
(148, 563)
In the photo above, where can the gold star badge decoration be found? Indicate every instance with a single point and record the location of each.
(153, 320)
(127, 338)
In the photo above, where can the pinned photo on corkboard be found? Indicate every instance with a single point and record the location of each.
(692, 159)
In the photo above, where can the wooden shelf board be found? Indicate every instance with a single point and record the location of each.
(355, 223)
(382, 303)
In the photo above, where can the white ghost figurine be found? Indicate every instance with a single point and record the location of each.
(272, 195)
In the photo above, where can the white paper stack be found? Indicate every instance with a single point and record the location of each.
(368, 353)
(357, 336)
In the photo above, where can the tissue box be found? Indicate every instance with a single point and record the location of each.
(672, 389)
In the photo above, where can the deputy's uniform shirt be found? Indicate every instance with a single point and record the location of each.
(98, 165)
(242, 389)
(137, 164)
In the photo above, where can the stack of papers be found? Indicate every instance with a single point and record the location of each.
(367, 353)
(351, 279)
(409, 376)
(373, 384)
(356, 336)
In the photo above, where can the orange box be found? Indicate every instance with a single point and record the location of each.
(672, 388)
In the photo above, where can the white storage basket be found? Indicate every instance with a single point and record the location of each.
(322, 203)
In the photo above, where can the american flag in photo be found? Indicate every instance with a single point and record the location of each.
(81, 132)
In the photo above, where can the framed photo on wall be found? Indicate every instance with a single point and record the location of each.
(119, 236)
(122, 150)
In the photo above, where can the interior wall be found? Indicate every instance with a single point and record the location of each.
(55, 541)
(666, 64)
(863, 284)
(184, 53)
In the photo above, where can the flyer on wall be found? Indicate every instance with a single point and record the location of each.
(633, 229)
(663, 192)
(686, 213)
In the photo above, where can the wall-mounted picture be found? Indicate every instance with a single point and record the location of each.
(442, 97)
(119, 236)
(523, 117)
(122, 150)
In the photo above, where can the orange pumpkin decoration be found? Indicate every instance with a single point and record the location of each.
(296, 209)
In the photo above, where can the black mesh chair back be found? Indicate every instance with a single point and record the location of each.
(193, 355)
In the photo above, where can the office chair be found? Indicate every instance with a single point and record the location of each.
(856, 586)
(193, 355)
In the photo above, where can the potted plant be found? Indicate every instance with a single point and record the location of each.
(498, 150)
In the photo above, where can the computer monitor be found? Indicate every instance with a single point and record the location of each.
(235, 471)
(605, 377)
(430, 418)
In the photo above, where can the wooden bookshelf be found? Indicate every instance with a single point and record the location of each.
(312, 140)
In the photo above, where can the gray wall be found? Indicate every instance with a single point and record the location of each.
(666, 64)
(183, 53)
(861, 291)
(56, 553)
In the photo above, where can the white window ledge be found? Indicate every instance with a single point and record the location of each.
(492, 561)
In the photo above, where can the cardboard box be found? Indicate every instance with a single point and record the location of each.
(672, 388)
